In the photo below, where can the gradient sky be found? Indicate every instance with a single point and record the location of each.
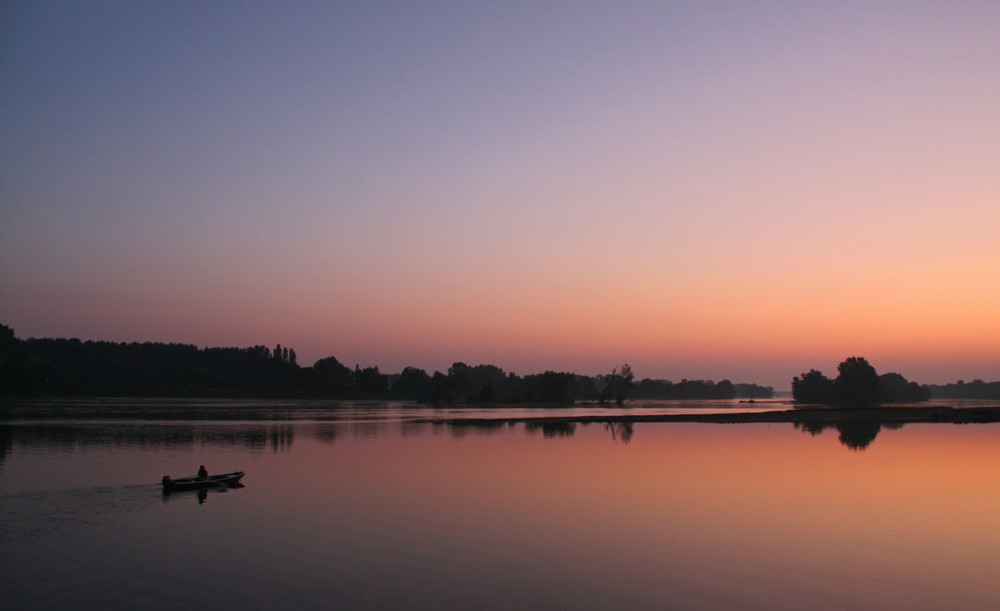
(707, 190)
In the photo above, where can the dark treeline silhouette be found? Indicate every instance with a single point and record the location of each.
(857, 384)
(71, 367)
(976, 389)
(699, 389)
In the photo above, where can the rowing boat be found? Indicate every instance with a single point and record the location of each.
(194, 482)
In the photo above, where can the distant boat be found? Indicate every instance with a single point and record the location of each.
(195, 482)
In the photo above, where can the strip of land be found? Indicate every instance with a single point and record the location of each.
(809, 415)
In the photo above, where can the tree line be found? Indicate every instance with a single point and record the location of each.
(71, 367)
(857, 383)
(976, 389)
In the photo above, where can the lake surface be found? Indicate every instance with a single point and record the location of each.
(367, 506)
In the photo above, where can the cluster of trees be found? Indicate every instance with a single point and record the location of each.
(976, 389)
(489, 384)
(857, 383)
(70, 367)
(699, 389)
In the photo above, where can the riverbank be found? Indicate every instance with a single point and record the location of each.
(811, 415)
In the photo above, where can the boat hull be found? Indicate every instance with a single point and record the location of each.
(194, 483)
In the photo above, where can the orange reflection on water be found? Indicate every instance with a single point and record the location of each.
(747, 515)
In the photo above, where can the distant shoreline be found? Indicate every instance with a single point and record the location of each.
(812, 415)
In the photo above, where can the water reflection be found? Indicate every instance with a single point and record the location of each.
(6, 442)
(200, 493)
(855, 433)
(257, 437)
(551, 430)
(280, 438)
(620, 430)
(327, 433)
(330, 432)
(687, 515)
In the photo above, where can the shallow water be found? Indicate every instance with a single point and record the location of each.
(383, 511)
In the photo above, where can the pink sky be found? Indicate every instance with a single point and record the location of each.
(739, 191)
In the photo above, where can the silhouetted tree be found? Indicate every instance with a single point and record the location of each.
(331, 375)
(725, 390)
(549, 387)
(812, 387)
(369, 381)
(9, 357)
(976, 389)
(413, 383)
(698, 389)
(858, 382)
(617, 384)
(440, 392)
(894, 388)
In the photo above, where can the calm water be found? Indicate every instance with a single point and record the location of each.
(370, 509)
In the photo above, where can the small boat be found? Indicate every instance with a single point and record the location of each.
(195, 482)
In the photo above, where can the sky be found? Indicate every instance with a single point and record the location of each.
(703, 190)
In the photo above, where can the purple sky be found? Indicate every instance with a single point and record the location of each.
(702, 189)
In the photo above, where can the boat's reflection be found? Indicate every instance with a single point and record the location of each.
(200, 493)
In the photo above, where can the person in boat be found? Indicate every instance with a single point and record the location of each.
(202, 473)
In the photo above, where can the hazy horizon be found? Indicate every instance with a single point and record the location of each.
(705, 191)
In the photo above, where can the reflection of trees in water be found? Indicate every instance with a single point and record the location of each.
(481, 428)
(329, 432)
(366, 430)
(280, 437)
(6, 442)
(551, 430)
(326, 432)
(620, 430)
(814, 428)
(855, 433)
(408, 428)
(277, 437)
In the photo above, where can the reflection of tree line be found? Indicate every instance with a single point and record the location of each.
(549, 429)
(855, 433)
(6, 441)
(255, 438)
(276, 437)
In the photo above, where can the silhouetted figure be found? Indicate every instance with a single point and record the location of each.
(202, 473)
